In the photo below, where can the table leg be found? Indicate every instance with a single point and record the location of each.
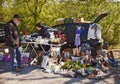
(35, 59)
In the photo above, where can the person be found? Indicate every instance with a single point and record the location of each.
(13, 41)
(41, 31)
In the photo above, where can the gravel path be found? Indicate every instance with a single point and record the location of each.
(35, 75)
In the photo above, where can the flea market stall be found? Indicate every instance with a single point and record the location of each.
(72, 54)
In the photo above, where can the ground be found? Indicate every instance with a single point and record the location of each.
(35, 75)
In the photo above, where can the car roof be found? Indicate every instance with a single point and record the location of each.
(86, 22)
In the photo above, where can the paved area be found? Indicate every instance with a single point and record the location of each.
(35, 75)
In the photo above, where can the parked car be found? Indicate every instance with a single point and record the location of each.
(69, 28)
(2, 33)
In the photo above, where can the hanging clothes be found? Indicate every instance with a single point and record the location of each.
(94, 32)
(77, 36)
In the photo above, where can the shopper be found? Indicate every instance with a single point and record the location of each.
(41, 31)
(13, 41)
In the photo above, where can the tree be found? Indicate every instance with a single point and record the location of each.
(35, 8)
(47, 11)
(1, 10)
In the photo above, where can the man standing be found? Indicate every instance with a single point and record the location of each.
(13, 41)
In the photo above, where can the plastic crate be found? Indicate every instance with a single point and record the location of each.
(68, 20)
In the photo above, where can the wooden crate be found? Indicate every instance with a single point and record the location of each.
(76, 20)
(60, 21)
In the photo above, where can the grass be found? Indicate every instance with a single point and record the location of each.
(118, 59)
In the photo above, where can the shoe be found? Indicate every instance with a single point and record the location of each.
(21, 66)
(18, 70)
(41, 67)
(1, 69)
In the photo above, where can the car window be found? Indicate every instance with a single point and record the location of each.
(2, 25)
(2, 33)
(1, 28)
(59, 27)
